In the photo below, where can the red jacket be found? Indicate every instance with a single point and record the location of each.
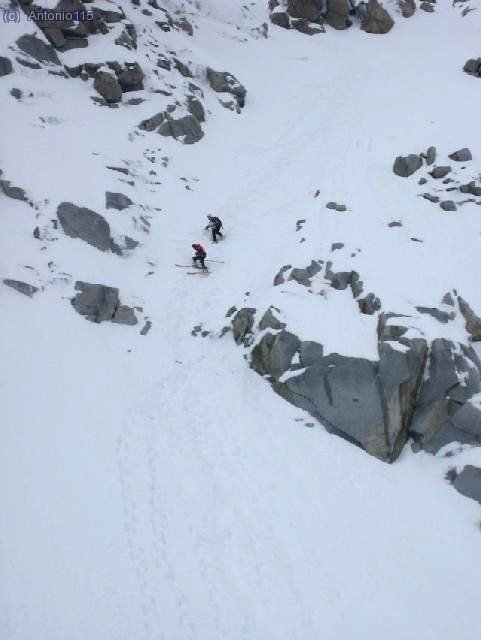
(199, 249)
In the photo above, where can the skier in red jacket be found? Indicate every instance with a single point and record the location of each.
(200, 256)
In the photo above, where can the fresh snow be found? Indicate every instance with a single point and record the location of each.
(154, 487)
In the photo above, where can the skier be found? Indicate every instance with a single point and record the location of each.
(200, 256)
(215, 224)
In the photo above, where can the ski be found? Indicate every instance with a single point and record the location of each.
(184, 266)
(219, 261)
(198, 273)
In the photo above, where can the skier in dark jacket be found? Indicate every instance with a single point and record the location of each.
(200, 256)
(215, 224)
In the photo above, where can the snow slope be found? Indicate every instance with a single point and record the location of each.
(154, 487)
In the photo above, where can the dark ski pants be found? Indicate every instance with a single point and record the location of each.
(200, 258)
(216, 232)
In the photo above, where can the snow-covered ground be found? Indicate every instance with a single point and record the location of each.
(154, 487)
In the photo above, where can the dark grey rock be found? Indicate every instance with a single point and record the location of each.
(337, 14)
(301, 276)
(448, 299)
(357, 285)
(37, 48)
(335, 246)
(80, 222)
(437, 314)
(242, 324)
(274, 353)
(117, 201)
(12, 192)
(427, 6)
(395, 223)
(337, 207)
(473, 321)
(225, 82)
(440, 172)
(422, 181)
(448, 205)
(309, 10)
(462, 155)
(108, 87)
(124, 315)
(310, 353)
(5, 66)
(22, 287)
(131, 78)
(182, 68)
(280, 19)
(279, 278)
(195, 108)
(269, 321)
(28, 63)
(164, 63)
(376, 19)
(186, 129)
(16, 93)
(468, 482)
(405, 166)
(473, 66)
(152, 123)
(408, 7)
(369, 304)
(442, 414)
(146, 328)
(431, 156)
(96, 302)
(430, 197)
(128, 37)
(232, 310)
(304, 26)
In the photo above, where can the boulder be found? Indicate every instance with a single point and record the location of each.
(408, 7)
(225, 82)
(430, 197)
(310, 353)
(405, 166)
(152, 123)
(468, 482)
(337, 207)
(5, 66)
(440, 172)
(443, 413)
(431, 156)
(124, 315)
(186, 129)
(242, 324)
(107, 86)
(37, 48)
(426, 6)
(195, 108)
(437, 314)
(448, 205)
(376, 19)
(337, 14)
(369, 304)
(279, 277)
(82, 223)
(269, 321)
(473, 322)
(273, 355)
(131, 78)
(17, 193)
(117, 201)
(22, 287)
(307, 9)
(280, 19)
(473, 66)
(96, 302)
(304, 26)
(462, 155)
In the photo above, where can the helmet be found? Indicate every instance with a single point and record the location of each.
(193, 246)
(210, 217)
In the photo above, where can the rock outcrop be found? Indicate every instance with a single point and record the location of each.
(85, 224)
(225, 82)
(99, 303)
(374, 17)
